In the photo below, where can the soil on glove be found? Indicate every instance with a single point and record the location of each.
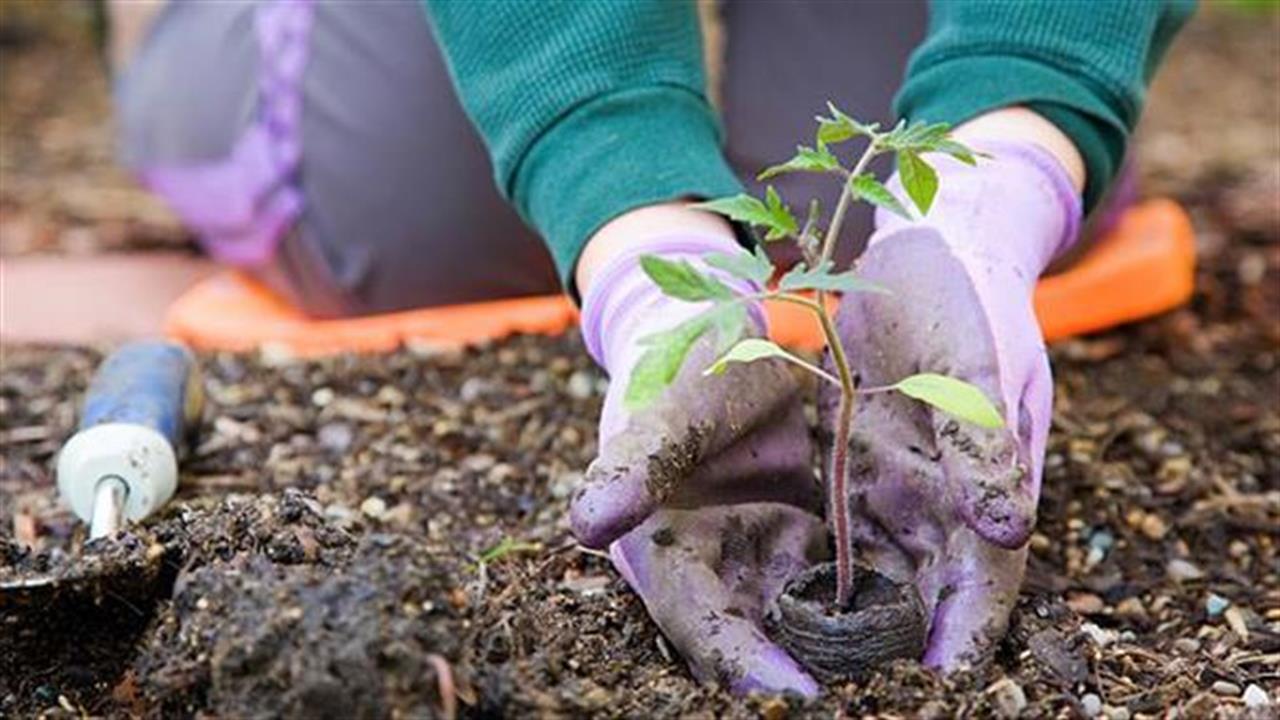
(387, 536)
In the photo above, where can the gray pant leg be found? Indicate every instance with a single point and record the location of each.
(191, 88)
(785, 60)
(400, 205)
(401, 202)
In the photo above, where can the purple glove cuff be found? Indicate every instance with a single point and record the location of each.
(623, 300)
(1055, 181)
(1021, 188)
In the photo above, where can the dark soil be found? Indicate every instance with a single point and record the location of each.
(372, 537)
(883, 622)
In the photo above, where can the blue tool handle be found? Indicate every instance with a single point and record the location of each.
(150, 383)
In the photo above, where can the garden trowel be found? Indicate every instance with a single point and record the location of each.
(120, 466)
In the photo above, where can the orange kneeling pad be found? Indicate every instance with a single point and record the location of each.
(1144, 266)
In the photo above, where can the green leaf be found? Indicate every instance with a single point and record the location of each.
(961, 152)
(665, 352)
(783, 222)
(772, 214)
(742, 208)
(753, 349)
(923, 138)
(917, 137)
(840, 127)
(952, 396)
(730, 322)
(919, 179)
(661, 360)
(866, 187)
(801, 277)
(505, 547)
(806, 160)
(756, 267)
(681, 280)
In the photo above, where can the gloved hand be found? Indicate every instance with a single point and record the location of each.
(941, 503)
(706, 498)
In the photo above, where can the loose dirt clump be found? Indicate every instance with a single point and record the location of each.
(304, 622)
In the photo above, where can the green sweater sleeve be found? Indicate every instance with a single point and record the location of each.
(1084, 65)
(589, 108)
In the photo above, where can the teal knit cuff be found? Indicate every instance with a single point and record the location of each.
(619, 152)
(962, 88)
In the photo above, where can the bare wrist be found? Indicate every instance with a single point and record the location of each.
(1019, 123)
(623, 232)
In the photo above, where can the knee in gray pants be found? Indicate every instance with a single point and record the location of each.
(400, 208)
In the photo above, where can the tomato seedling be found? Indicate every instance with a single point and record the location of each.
(808, 284)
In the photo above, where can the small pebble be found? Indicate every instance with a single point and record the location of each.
(473, 389)
(1115, 713)
(391, 395)
(478, 463)
(1226, 688)
(1215, 604)
(1091, 705)
(338, 513)
(1174, 470)
(934, 710)
(1100, 543)
(373, 507)
(1008, 698)
(1102, 539)
(1183, 571)
(1255, 697)
(322, 397)
(1040, 543)
(335, 436)
(1238, 548)
(1100, 636)
(588, 586)
(1134, 518)
(1154, 527)
(400, 515)
(1131, 608)
(1085, 603)
(774, 708)
(1150, 441)
(1235, 620)
(580, 385)
(1187, 646)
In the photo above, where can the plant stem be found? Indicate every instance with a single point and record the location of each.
(846, 198)
(839, 505)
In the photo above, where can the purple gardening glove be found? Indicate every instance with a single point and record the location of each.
(706, 498)
(945, 504)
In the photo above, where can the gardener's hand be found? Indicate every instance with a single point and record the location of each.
(706, 497)
(945, 504)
